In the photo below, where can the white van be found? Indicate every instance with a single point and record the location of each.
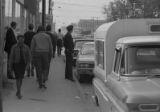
(127, 66)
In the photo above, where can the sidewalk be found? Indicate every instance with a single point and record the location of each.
(61, 95)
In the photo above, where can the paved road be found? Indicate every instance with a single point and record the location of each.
(61, 95)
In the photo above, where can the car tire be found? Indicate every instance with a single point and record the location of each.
(79, 78)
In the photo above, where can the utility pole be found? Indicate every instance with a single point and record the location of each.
(49, 8)
(93, 24)
(1, 49)
(43, 12)
(13, 9)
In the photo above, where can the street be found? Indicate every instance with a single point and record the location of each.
(60, 96)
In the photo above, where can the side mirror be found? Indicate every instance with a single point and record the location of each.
(118, 48)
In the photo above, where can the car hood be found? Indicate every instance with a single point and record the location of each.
(86, 58)
(142, 90)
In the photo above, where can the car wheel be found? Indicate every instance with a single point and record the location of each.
(79, 78)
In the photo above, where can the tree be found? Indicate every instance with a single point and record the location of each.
(119, 9)
(116, 10)
(150, 8)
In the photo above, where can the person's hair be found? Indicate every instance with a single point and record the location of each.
(48, 28)
(40, 28)
(30, 26)
(20, 36)
(59, 30)
(70, 28)
(13, 24)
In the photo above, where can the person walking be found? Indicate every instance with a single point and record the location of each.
(10, 41)
(19, 60)
(27, 40)
(69, 46)
(53, 37)
(41, 48)
(59, 42)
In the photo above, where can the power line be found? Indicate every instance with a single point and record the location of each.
(79, 11)
(74, 4)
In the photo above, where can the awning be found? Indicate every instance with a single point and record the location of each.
(21, 1)
(31, 5)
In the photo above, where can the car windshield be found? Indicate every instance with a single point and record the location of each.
(79, 43)
(87, 49)
(143, 60)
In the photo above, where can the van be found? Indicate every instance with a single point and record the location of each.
(127, 66)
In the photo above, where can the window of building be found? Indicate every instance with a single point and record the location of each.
(8, 12)
(8, 8)
(18, 9)
(100, 53)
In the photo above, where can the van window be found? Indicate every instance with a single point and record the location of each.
(143, 60)
(99, 45)
(155, 28)
(117, 60)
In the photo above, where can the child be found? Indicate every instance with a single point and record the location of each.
(19, 59)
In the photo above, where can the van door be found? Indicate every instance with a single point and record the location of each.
(100, 91)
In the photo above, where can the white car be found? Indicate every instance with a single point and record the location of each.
(85, 61)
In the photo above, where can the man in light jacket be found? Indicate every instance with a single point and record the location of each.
(42, 50)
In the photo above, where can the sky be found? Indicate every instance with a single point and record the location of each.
(68, 11)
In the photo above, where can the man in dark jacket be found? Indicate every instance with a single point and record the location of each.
(29, 35)
(53, 37)
(27, 40)
(69, 46)
(10, 41)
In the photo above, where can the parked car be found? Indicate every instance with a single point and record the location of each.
(127, 66)
(78, 43)
(85, 61)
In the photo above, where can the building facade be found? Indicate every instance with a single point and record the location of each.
(89, 25)
(21, 11)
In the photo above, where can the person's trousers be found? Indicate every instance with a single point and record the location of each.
(30, 71)
(69, 65)
(9, 73)
(42, 65)
(59, 49)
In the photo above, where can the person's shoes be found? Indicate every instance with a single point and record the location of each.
(32, 74)
(19, 96)
(44, 86)
(10, 76)
(40, 86)
(72, 80)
